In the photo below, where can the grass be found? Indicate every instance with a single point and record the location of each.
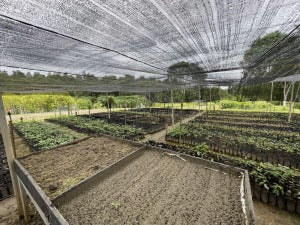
(252, 106)
(177, 105)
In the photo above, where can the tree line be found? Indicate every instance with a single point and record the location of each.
(34, 103)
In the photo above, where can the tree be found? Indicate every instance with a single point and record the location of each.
(89, 77)
(264, 61)
(273, 55)
(127, 79)
(18, 75)
(108, 102)
(39, 77)
(108, 79)
(186, 72)
(3, 75)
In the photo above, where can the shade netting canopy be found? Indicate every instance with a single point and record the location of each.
(293, 78)
(139, 37)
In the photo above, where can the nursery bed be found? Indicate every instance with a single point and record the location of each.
(155, 186)
(58, 169)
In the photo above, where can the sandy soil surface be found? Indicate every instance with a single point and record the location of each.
(9, 216)
(59, 169)
(156, 188)
(270, 215)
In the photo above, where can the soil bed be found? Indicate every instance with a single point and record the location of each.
(156, 188)
(59, 169)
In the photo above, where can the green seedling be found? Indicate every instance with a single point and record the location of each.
(116, 205)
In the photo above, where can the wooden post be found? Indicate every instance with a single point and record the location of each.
(25, 202)
(11, 131)
(68, 109)
(172, 108)
(180, 121)
(291, 103)
(271, 97)
(10, 157)
(272, 87)
(199, 99)
(107, 105)
(149, 101)
(296, 96)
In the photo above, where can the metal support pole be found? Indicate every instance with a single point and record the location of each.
(10, 157)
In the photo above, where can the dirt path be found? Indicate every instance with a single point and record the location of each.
(270, 215)
(156, 188)
(22, 149)
(160, 136)
(9, 215)
(45, 115)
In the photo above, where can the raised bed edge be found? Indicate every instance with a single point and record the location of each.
(106, 172)
(80, 140)
(84, 184)
(47, 210)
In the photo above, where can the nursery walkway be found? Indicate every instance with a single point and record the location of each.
(160, 136)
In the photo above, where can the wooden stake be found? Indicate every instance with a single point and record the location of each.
(291, 103)
(149, 101)
(25, 202)
(180, 121)
(272, 87)
(199, 99)
(10, 157)
(172, 106)
(271, 97)
(12, 136)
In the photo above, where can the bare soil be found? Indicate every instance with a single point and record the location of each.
(265, 214)
(156, 188)
(9, 215)
(59, 169)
